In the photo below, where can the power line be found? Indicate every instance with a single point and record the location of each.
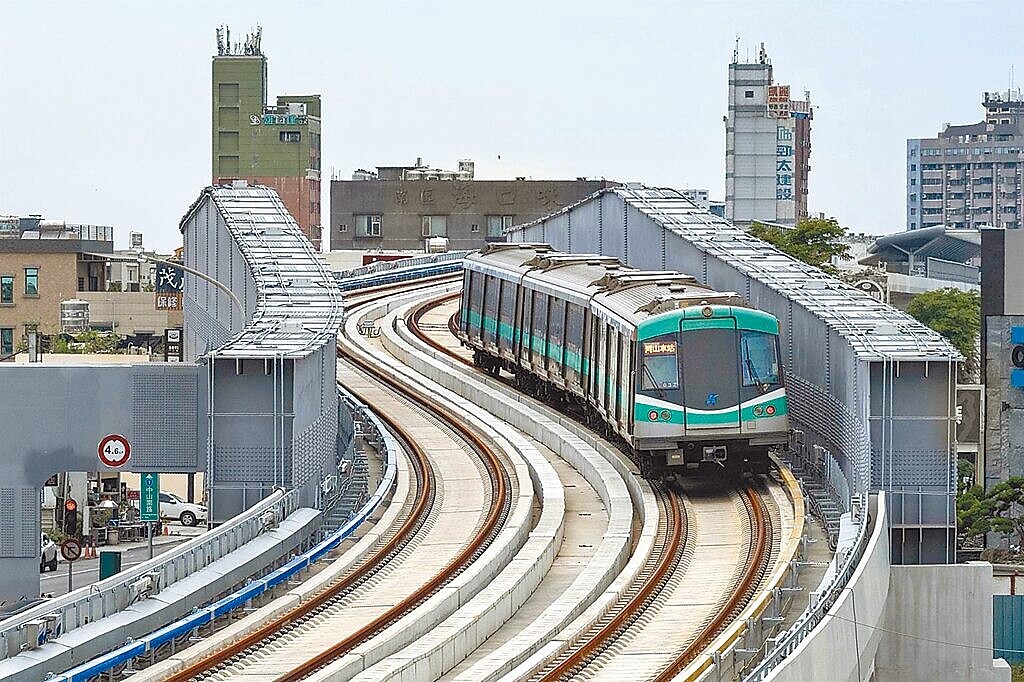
(925, 639)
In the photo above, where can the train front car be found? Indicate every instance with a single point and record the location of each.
(708, 389)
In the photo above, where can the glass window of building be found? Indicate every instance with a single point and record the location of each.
(7, 289)
(497, 224)
(435, 226)
(290, 136)
(6, 341)
(31, 281)
(368, 225)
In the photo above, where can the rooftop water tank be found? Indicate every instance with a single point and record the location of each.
(74, 316)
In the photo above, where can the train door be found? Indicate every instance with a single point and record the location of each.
(711, 381)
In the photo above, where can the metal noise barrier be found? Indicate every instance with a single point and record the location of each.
(88, 604)
(149, 643)
(390, 272)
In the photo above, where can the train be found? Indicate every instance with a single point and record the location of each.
(684, 375)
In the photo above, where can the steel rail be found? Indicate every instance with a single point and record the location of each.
(759, 552)
(413, 521)
(480, 541)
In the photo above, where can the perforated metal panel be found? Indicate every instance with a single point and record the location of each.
(250, 464)
(19, 522)
(165, 411)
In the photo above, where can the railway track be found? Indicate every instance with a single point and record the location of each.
(686, 595)
(363, 603)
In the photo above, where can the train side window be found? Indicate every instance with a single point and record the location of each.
(476, 298)
(526, 326)
(507, 315)
(573, 340)
(556, 334)
(540, 332)
(489, 323)
(612, 381)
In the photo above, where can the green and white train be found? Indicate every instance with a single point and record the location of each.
(683, 374)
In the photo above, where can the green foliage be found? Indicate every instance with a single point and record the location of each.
(815, 241)
(999, 510)
(60, 345)
(953, 313)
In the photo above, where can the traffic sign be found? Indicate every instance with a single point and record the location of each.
(114, 450)
(71, 550)
(149, 502)
(133, 495)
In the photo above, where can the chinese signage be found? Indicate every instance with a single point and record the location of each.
(169, 279)
(778, 101)
(149, 504)
(170, 301)
(277, 119)
(659, 348)
(785, 158)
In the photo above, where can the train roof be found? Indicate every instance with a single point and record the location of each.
(620, 290)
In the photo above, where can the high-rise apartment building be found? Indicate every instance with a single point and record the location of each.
(970, 175)
(767, 147)
(274, 145)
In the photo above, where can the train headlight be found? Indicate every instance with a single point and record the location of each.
(653, 415)
(758, 411)
(666, 415)
(770, 410)
(706, 311)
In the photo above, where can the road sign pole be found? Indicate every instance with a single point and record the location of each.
(70, 581)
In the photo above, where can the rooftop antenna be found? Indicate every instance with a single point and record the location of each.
(736, 51)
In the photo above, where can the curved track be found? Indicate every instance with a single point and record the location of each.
(686, 594)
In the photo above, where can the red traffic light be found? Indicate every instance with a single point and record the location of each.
(70, 505)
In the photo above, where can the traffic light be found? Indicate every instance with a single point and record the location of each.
(70, 517)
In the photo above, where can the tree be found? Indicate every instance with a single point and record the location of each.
(953, 313)
(814, 241)
(1004, 508)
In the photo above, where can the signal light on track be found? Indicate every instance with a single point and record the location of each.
(70, 505)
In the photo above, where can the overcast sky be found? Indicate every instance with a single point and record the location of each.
(106, 106)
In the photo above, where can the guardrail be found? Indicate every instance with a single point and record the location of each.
(375, 434)
(107, 597)
(400, 264)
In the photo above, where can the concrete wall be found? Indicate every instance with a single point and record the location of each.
(131, 312)
(402, 204)
(951, 605)
(843, 645)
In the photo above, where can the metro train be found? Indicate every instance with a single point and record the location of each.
(683, 374)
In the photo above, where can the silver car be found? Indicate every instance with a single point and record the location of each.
(47, 554)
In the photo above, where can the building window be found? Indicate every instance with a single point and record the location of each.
(435, 226)
(7, 289)
(368, 225)
(343, 228)
(749, 94)
(913, 166)
(31, 281)
(6, 341)
(497, 224)
(290, 136)
(913, 211)
(475, 227)
(913, 181)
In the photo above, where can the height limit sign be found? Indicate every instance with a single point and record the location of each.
(114, 450)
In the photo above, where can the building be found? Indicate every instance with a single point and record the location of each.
(399, 207)
(1002, 354)
(767, 147)
(701, 198)
(42, 263)
(274, 145)
(969, 176)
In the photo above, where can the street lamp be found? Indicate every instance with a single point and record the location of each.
(143, 258)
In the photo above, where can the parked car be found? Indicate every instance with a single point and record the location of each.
(173, 507)
(47, 554)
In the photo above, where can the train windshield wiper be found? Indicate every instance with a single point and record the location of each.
(654, 382)
(750, 368)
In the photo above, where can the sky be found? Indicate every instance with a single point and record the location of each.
(106, 105)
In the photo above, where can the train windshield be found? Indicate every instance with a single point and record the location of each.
(759, 358)
(661, 368)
